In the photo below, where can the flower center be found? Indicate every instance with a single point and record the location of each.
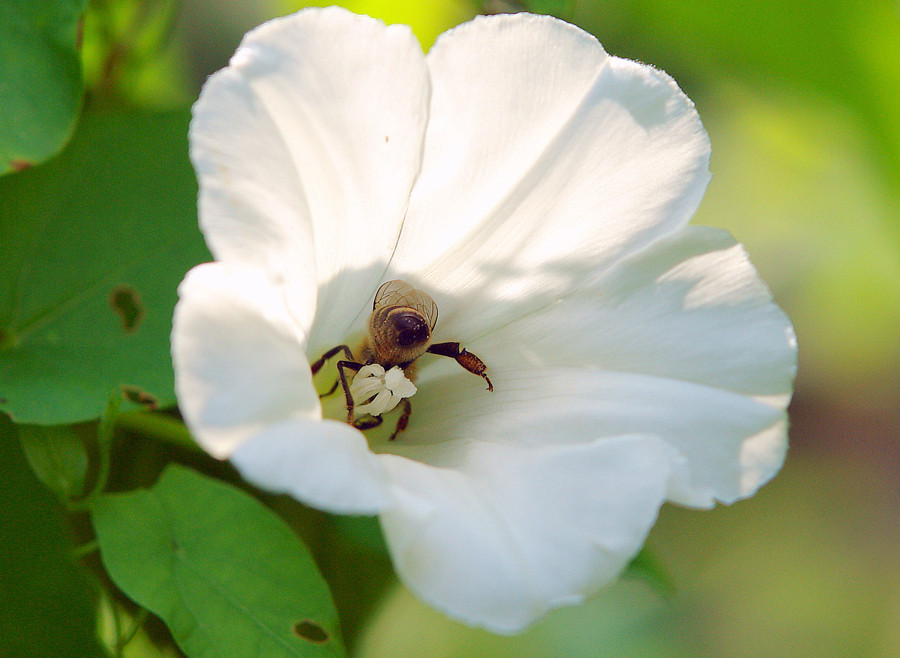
(376, 391)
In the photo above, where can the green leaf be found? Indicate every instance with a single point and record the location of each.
(95, 244)
(57, 456)
(358, 593)
(226, 575)
(560, 8)
(40, 79)
(46, 600)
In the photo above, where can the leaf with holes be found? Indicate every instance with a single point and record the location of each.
(225, 574)
(95, 244)
(40, 79)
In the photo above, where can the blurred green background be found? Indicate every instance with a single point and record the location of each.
(802, 103)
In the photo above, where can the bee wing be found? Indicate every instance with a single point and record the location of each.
(400, 293)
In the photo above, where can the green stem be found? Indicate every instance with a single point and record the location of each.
(123, 43)
(116, 614)
(102, 472)
(139, 619)
(80, 551)
(157, 426)
(145, 423)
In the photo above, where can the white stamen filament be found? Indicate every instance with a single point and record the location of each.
(376, 392)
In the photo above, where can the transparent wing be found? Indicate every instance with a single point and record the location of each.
(400, 293)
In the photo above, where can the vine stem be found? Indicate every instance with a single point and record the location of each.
(139, 619)
(157, 426)
(85, 549)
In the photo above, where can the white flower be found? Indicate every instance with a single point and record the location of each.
(539, 190)
(383, 389)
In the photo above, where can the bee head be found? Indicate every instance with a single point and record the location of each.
(398, 334)
(409, 328)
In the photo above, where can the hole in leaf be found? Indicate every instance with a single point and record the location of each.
(140, 396)
(310, 631)
(127, 305)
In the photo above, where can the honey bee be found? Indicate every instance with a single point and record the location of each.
(399, 332)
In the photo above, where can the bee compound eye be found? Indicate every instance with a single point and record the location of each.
(411, 329)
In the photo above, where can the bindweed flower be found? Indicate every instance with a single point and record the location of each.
(539, 191)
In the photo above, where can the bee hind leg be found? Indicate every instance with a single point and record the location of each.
(331, 390)
(403, 421)
(367, 423)
(375, 421)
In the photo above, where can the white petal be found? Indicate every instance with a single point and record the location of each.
(307, 146)
(239, 357)
(681, 340)
(691, 307)
(708, 428)
(325, 464)
(504, 534)
(762, 456)
(545, 160)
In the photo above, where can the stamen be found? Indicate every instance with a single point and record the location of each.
(376, 392)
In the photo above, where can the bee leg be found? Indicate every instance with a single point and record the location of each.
(466, 359)
(315, 367)
(331, 390)
(403, 421)
(373, 421)
(354, 366)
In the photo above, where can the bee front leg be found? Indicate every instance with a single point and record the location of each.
(466, 359)
(315, 367)
(354, 366)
